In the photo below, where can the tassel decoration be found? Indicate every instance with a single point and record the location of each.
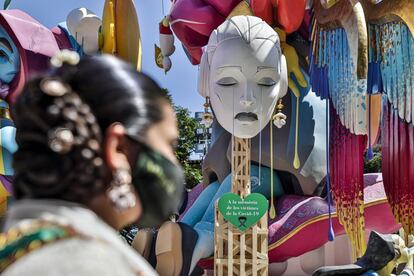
(331, 233)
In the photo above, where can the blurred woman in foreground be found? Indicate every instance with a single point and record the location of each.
(95, 154)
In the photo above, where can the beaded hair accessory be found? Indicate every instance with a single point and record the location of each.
(65, 56)
(78, 133)
(80, 126)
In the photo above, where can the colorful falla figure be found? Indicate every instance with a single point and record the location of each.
(243, 94)
(360, 64)
(390, 24)
(9, 68)
(9, 62)
(386, 51)
(8, 147)
(25, 49)
(32, 45)
(243, 82)
(244, 73)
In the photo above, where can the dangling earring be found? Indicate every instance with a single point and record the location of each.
(279, 119)
(121, 192)
(208, 117)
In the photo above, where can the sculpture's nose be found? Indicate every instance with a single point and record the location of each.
(247, 103)
(248, 100)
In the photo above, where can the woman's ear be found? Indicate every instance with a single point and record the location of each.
(115, 157)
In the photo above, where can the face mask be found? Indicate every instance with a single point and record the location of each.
(160, 187)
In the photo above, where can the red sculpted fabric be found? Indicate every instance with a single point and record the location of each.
(398, 165)
(347, 181)
(193, 20)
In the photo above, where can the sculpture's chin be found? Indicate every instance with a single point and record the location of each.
(245, 123)
(245, 129)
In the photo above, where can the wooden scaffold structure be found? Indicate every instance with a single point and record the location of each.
(240, 252)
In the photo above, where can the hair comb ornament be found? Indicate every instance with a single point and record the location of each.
(61, 140)
(78, 125)
(65, 56)
(54, 87)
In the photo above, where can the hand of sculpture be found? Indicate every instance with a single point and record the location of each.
(293, 68)
(279, 120)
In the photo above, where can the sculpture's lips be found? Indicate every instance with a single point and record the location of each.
(246, 117)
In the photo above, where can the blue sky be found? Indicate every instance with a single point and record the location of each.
(181, 80)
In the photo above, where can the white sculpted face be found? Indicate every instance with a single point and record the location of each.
(246, 78)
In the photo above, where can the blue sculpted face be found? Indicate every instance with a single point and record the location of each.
(9, 58)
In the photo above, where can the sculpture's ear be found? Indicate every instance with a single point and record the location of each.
(283, 77)
(204, 75)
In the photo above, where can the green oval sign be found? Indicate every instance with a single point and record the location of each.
(243, 213)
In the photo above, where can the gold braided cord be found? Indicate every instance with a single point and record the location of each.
(272, 212)
(296, 161)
